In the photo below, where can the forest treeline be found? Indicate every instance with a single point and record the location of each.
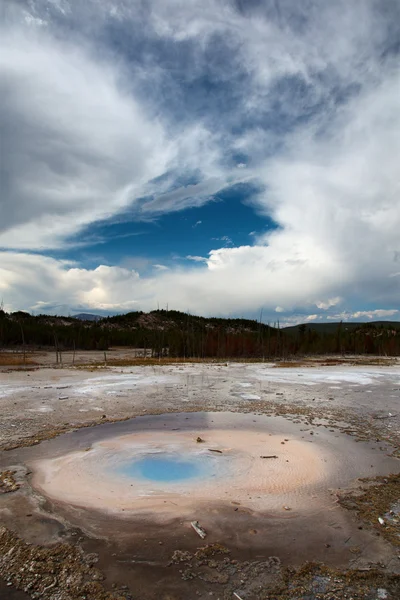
(177, 334)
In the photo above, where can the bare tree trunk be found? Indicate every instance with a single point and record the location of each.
(56, 346)
(23, 342)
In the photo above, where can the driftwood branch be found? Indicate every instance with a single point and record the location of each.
(198, 529)
(389, 416)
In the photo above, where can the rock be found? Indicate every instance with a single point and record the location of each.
(180, 556)
(7, 482)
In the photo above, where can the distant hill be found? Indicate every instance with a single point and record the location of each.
(174, 319)
(87, 317)
(177, 334)
(331, 328)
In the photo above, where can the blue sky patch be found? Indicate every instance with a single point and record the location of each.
(227, 220)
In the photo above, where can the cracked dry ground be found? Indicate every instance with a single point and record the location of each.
(44, 557)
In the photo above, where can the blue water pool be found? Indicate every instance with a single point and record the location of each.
(161, 468)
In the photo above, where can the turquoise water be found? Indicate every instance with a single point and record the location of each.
(164, 469)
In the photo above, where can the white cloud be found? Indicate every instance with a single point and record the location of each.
(311, 318)
(374, 314)
(225, 238)
(80, 147)
(202, 259)
(247, 281)
(49, 281)
(328, 304)
(341, 41)
(336, 200)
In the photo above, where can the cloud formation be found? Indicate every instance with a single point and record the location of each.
(153, 124)
(80, 146)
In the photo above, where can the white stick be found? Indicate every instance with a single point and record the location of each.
(198, 529)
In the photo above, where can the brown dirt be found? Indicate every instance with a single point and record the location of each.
(126, 357)
(310, 581)
(312, 361)
(377, 498)
(43, 571)
(14, 359)
(66, 573)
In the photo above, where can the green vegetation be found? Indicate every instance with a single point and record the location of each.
(176, 334)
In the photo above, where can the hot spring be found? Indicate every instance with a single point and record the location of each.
(158, 468)
(163, 466)
(262, 486)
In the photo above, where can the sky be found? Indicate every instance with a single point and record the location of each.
(220, 157)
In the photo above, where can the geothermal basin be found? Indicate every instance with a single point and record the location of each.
(260, 485)
(175, 468)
